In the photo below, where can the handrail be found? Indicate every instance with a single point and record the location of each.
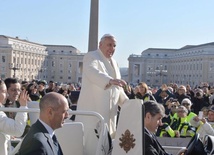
(174, 149)
(77, 112)
(19, 109)
(92, 113)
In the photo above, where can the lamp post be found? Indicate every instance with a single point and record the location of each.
(150, 73)
(14, 67)
(161, 72)
(41, 71)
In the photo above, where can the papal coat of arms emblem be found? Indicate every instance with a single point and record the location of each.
(127, 141)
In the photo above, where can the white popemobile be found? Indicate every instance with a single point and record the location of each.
(129, 138)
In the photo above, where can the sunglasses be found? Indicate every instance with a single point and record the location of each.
(186, 104)
(180, 111)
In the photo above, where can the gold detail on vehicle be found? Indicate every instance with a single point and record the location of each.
(127, 141)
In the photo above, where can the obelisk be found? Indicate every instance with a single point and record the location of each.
(93, 26)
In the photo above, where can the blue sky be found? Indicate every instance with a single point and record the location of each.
(136, 24)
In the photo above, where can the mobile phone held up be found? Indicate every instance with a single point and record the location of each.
(200, 114)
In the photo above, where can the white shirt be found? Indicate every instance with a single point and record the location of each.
(48, 128)
(11, 127)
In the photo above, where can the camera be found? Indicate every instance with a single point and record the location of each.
(173, 100)
(198, 94)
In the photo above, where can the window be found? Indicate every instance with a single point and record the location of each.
(3, 58)
(53, 63)
(80, 67)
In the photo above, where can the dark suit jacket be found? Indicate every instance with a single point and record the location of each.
(37, 141)
(152, 146)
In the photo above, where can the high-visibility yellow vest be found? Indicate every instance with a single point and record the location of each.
(188, 117)
(185, 128)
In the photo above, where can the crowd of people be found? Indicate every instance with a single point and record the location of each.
(182, 106)
(17, 94)
(38, 88)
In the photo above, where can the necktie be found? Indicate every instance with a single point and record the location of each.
(57, 146)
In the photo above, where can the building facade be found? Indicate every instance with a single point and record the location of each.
(27, 61)
(191, 64)
(20, 58)
(64, 64)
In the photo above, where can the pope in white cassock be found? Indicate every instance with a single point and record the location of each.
(101, 90)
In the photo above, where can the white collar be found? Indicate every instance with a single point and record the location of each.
(49, 129)
(150, 134)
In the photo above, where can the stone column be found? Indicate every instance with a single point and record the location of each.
(93, 27)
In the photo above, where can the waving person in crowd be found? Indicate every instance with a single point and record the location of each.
(205, 126)
(171, 110)
(163, 94)
(8, 126)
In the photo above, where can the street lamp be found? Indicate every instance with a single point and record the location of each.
(162, 72)
(41, 71)
(150, 73)
(14, 67)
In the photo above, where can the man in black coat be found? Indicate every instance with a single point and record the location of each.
(154, 113)
(199, 101)
(41, 139)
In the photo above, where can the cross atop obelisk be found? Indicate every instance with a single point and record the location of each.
(93, 27)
